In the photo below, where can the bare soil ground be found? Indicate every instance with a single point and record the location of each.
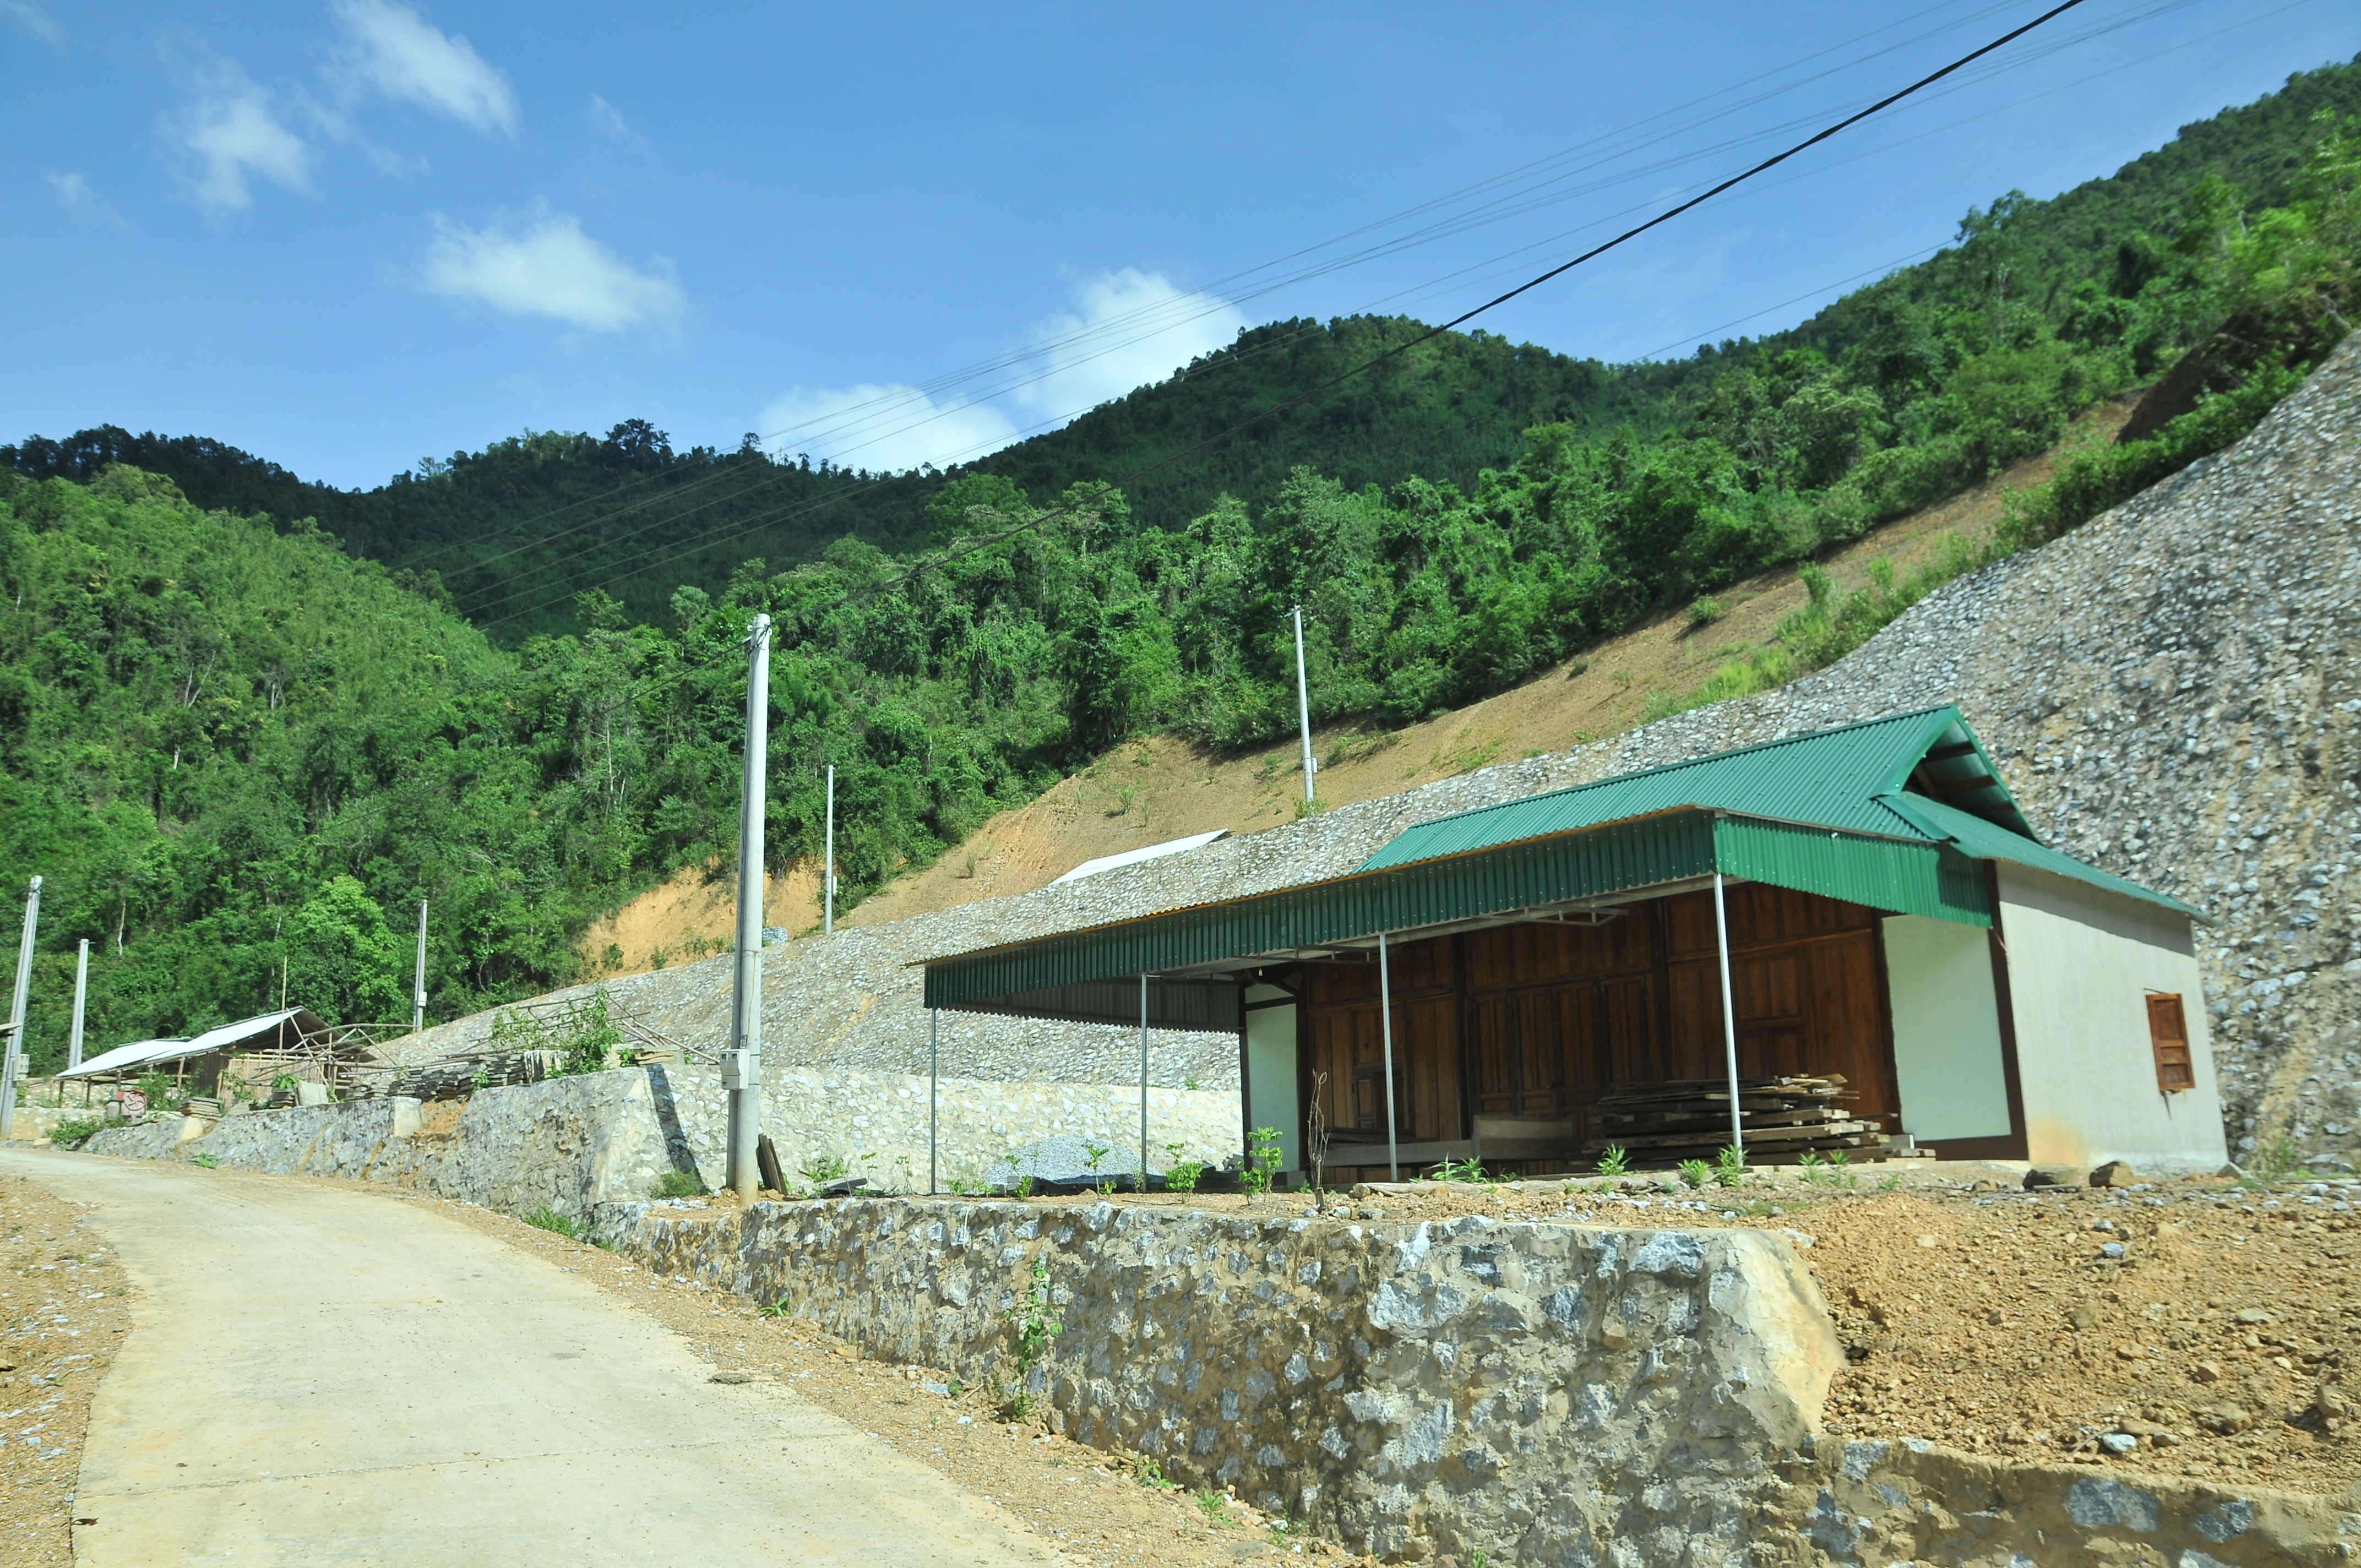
(62, 1314)
(1145, 792)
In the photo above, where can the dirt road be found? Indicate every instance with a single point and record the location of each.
(316, 1377)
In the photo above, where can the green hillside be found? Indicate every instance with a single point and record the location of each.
(232, 746)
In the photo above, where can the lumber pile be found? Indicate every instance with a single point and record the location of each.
(1660, 1123)
(456, 1077)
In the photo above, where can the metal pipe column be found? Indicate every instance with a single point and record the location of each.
(12, 1050)
(1728, 1018)
(934, 1069)
(741, 1070)
(81, 990)
(1143, 1083)
(1385, 1027)
(1303, 710)
(827, 862)
(418, 990)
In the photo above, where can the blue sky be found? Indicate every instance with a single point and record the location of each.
(348, 234)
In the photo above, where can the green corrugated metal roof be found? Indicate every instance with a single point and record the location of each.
(1848, 813)
(1831, 778)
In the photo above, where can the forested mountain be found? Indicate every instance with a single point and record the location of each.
(231, 745)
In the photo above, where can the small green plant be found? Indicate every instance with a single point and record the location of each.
(678, 1184)
(1035, 1329)
(483, 1078)
(73, 1131)
(1147, 1472)
(968, 1186)
(1263, 1157)
(1216, 1507)
(1615, 1161)
(1468, 1170)
(159, 1091)
(284, 1083)
(207, 1161)
(782, 1307)
(1182, 1175)
(1729, 1167)
(1890, 1184)
(1814, 1168)
(1476, 1559)
(548, 1219)
(2278, 1161)
(1092, 1154)
(1023, 1188)
(1704, 611)
(1695, 1173)
(821, 1169)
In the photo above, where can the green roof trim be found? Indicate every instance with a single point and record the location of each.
(1977, 838)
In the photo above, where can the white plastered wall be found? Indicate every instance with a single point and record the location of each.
(1947, 1047)
(2082, 963)
(1270, 1071)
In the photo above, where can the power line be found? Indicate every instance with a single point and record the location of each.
(1632, 232)
(837, 418)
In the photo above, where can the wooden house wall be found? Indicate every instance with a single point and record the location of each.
(1541, 1019)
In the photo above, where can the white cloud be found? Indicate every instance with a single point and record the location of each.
(34, 20)
(544, 265)
(884, 429)
(74, 194)
(235, 133)
(609, 119)
(1127, 329)
(393, 50)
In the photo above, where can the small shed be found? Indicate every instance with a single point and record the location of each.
(294, 1035)
(1865, 903)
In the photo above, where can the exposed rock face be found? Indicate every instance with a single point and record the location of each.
(2171, 691)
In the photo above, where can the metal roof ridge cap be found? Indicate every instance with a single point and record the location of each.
(1830, 828)
(1693, 762)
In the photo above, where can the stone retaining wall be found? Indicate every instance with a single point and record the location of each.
(1548, 1394)
(1540, 1392)
(571, 1142)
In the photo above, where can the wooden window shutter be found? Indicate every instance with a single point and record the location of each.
(2167, 1034)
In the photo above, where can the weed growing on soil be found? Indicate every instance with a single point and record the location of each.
(1147, 1472)
(1470, 1171)
(782, 1307)
(1729, 1167)
(1615, 1161)
(1695, 1173)
(548, 1219)
(821, 1169)
(206, 1161)
(1182, 1175)
(678, 1184)
(1263, 1155)
(1216, 1507)
(73, 1132)
(1035, 1329)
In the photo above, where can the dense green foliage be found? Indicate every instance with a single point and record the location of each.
(239, 754)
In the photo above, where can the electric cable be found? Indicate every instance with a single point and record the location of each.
(1833, 129)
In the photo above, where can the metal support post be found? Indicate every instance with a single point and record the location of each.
(1728, 1019)
(1303, 710)
(1385, 1027)
(934, 1076)
(741, 1071)
(418, 990)
(12, 1050)
(1143, 1083)
(81, 992)
(828, 863)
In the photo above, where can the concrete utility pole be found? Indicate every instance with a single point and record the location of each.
(11, 1061)
(742, 1070)
(828, 863)
(418, 992)
(1303, 710)
(81, 990)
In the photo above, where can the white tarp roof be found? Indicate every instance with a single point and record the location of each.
(141, 1053)
(1133, 857)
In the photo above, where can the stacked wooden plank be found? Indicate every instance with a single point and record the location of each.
(457, 1077)
(1659, 1123)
